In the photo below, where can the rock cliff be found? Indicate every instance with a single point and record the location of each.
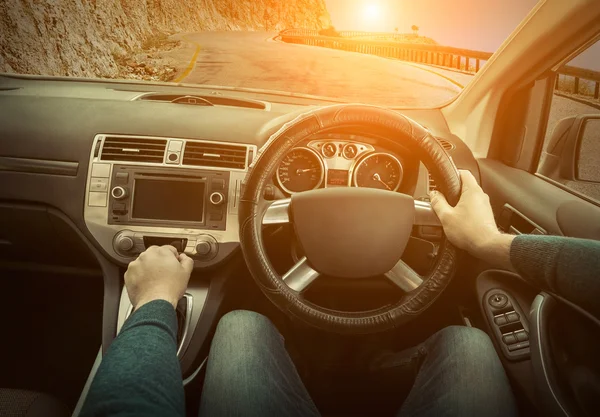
(89, 38)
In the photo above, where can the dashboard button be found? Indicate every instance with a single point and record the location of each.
(119, 208)
(217, 198)
(216, 216)
(122, 177)
(99, 184)
(97, 199)
(119, 192)
(218, 184)
(100, 170)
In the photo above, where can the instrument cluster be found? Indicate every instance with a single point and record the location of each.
(325, 163)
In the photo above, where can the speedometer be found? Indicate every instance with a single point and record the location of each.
(301, 170)
(378, 170)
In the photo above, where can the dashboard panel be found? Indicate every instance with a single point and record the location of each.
(49, 144)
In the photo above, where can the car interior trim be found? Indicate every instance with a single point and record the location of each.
(88, 384)
(39, 166)
(538, 309)
(193, 376)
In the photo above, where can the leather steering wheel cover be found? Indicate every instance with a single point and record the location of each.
(383, 122)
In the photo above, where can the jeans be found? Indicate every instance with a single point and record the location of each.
(249, 373)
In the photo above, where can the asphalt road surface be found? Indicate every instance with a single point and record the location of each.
(253, 59)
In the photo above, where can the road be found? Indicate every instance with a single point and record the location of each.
(253, 59)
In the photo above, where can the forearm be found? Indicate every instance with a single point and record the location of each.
(140, 373)
(496, 251)
(565, 266)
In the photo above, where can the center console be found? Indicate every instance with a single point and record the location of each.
(145, 191)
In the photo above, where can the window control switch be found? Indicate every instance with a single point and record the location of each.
(508, 322)
(500, 320)
(512, 317)
(509, 339)
(522, 336)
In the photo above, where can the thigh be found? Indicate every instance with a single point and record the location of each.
(460, 375)
(249, 372)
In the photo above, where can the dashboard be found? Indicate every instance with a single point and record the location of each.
(128, 173)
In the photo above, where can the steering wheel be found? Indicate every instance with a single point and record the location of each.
(350, 233)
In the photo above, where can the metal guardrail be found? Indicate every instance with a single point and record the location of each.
(443, 56)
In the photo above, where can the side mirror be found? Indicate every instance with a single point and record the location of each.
(587, 162)
(573, 150)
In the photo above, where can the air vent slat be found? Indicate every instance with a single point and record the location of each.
(133, 145)
(215, 155)
(448, 146)
(134, 149)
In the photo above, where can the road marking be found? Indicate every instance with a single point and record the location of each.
(456, 83)
(192, 63)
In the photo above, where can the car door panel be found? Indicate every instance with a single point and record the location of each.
(557, 211)
(564, 368)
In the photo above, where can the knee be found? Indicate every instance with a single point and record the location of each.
(243, 327)
(242, 340)
(467, 345)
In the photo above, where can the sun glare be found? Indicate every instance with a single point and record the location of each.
(372, 11)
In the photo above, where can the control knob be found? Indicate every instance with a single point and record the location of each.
(216, 198)
(207, 247)
(123, 243)
(203, 248)
(119, 193)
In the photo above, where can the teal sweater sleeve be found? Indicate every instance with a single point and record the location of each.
(566, 266)
(140, 373)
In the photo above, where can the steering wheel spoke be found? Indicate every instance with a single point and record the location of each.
(300, 276)
(404, 277)
(424, 215)
(277, 212)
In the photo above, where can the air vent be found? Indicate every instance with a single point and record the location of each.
(448, 146)
(432, 185)
(133, 149)
(218, 155)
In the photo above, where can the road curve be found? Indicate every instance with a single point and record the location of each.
(254, 60)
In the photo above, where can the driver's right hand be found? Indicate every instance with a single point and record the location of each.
(470, 225)
(159, 273)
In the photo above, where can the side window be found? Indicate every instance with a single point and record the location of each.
(571, 150)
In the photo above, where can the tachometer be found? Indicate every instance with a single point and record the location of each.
(301, 170)
(378, 170)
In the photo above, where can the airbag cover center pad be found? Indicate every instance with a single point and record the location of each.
(352, 232)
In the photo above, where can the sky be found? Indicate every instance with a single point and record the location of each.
(473, 24)
(480, 25)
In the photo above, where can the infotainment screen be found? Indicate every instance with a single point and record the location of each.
(168, 200)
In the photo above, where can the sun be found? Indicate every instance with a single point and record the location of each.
(372, 11)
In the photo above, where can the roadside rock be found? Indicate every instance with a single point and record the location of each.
(97, 38)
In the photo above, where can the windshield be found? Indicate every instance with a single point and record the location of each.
(401, 53)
